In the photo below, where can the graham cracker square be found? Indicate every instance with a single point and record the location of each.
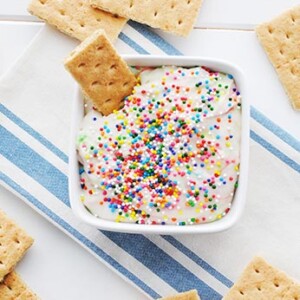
(13, 288)
(14, 242)
(280, 39)
(76, 18)
(261, 281)
(176, 16)
(103, 75)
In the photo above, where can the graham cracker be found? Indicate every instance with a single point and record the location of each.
(190, 295)
(103, 75)
(280, 39)
(293, 293)
(14, 242)
(176, 16)
(76, 18)
(13, 288)
(261, 281)
(289, 75)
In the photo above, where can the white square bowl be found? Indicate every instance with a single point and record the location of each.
(240, 194)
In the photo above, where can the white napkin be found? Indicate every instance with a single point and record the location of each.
(36, 98)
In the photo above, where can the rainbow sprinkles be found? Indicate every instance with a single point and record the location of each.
(170, 156)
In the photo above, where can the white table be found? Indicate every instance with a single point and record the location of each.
(56, 267)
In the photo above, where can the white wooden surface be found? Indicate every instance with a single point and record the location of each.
(56, 267)
(214, 13)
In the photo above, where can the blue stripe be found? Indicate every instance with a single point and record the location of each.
(278, 131)
(10, 115)
(294, 165)
(160, 263)
(199, 261)
(126, 39)
(155, 38)
(56, 183)
(34, 165)
(81, 238)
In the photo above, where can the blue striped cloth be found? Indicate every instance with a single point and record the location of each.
(35, 110)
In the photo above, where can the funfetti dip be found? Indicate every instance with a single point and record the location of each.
(170, 156)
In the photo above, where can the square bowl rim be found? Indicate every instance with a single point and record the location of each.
(240, 194)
